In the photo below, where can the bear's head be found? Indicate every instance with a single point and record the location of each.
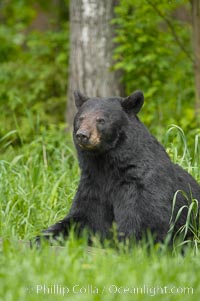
(100, 122)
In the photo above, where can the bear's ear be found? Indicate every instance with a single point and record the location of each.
(134, 102)
(79, 98)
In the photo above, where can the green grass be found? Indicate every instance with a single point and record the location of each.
(25, 273)
(38, 182)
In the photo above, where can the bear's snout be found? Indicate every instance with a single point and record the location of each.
(83, 136)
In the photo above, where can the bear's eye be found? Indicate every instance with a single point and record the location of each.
(100, 120)
(81, 118)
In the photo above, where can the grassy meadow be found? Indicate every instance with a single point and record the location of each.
(38, 182)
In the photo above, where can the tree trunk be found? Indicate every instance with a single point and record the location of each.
(196, 43)
(91, 44)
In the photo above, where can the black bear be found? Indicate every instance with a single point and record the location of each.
(127, 177)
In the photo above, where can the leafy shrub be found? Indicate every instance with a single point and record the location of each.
(33, 76)
(153, 49)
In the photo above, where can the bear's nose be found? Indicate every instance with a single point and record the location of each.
(82, 136)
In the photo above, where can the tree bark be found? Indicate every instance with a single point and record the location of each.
(196, 43)
(91, 44)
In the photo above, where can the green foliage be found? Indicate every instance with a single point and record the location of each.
(189, 233)
(183, 151)
(161, 277)
(181, 154)
(33, 78)
(154, 52)
(40, 177)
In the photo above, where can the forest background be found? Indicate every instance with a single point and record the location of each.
(153, 50)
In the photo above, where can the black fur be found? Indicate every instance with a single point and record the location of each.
(127, 178)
